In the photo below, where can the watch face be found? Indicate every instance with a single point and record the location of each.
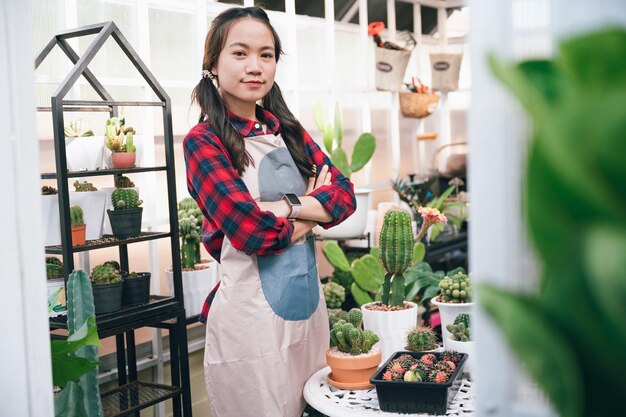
(293, 199)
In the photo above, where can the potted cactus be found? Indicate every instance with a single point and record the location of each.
(120, 141)
(78, 225)
(136, 289)
(120, 181)
(353, 355)
(83, 150)
(421, 339)
(455, 298)
(364, 147)
(107, 288)
(92, 201)
(198, 276)
(125, 217)
(460, 338)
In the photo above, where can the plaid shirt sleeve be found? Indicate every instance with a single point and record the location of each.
(337, 197)
(225, 201)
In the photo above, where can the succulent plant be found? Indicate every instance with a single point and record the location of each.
(84, 186)
(456, 289)
(78, 128)
(463, 318)
(459, 332)
(336, 314)
(119, 137)
(349, 337)
(54, 267)
(105, 274)
(48, 190)
(190, 231)
(335, 294)
(125, 198)
(421, 339)
(76, 216)
(396, 253)
(428, 368)
(122, 181)
(114, 264)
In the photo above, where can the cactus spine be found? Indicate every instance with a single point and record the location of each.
(396, 250)
(190, 231)
(79, 309)
(76, 216)
(125, 198)
(421, 339)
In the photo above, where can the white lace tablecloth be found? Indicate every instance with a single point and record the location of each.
(360, 403)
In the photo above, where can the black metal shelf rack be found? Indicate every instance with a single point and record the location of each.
(162, 312)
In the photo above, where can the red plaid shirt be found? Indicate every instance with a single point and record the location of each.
(229, 209)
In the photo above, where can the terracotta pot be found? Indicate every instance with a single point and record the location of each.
(123, 160)
(78, 235)
(352, 372)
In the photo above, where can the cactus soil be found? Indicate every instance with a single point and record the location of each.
(378, 306)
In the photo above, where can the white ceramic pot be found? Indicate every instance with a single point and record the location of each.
(196, 286)
(92, 203)
(463, 347)
(390, 326)
(448, 312)
(50, 218)
(138, 142)
(353, 226)
(84, 153)
(108, 205)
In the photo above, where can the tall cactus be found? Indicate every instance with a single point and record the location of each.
(396, 252)
(190, 230)
(79, 309)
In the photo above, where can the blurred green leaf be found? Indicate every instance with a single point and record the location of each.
(318, 116)
(419, 250)
(335, 256)
(338, 124)
(340, 160)
(327, 132)
(540, 346)
(360, 296)
(363, 150)
(368, 272)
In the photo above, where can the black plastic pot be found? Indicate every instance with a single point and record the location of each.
(136, 290)
(416, 397)
(107, 298)
(125, 223)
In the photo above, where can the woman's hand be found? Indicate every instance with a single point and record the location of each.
(315, 182)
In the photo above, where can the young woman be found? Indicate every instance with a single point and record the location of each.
(262, 184)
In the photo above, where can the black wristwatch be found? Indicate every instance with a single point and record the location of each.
(294, 203)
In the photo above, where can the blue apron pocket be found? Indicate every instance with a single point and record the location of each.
(289, 281)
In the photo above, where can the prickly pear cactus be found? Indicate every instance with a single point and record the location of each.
(80, 308)
(396, 252)
(125, 198)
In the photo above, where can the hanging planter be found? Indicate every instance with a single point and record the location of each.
(391, 59)
(446, 69)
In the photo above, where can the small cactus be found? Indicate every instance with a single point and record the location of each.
(54, 267)
(456, 289)
(336, 314)
(48, 190)
(78, 128)
(334, 294)
(119, 137)
(190, 230)
(84, 186)
(122, 181)
(459, 332)
(350, 338)
(421, 339)
(105, 274)
(125, 198)
(396, 252)
(76, 216)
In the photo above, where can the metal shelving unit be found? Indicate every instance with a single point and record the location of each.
(162, 311)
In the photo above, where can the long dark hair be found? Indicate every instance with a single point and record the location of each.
(213, 109)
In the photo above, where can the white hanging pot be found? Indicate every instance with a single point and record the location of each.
(353, 226)
(446, 69)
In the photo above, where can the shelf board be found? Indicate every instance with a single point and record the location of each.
(135, 396)
(77, 174)
(107, 241)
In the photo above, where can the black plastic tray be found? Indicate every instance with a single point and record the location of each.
(417, 397)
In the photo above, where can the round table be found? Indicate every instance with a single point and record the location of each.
(361, 403)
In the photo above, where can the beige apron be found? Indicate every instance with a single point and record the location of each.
(267, 329)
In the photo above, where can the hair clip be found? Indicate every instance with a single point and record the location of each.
(208, 74)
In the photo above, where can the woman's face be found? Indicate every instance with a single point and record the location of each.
(246, 66)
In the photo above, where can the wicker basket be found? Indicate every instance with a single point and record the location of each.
(446, 69)
(417, 105)
(390, 67)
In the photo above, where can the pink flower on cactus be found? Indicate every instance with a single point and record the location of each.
(430, 216)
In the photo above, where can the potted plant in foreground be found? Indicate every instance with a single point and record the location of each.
(392, 317)
(198, 278)
(353, 356)
(120, 141)
(126, 215)
(107, 288)
(78, 226)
